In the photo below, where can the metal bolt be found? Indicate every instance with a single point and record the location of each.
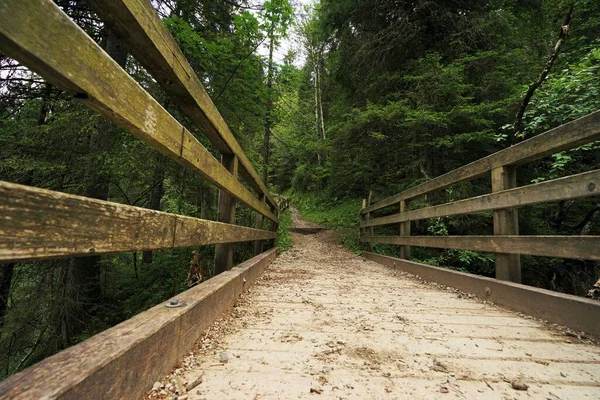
(591, 186)
(174, 304)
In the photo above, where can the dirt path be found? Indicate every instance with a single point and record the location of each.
(324, 323)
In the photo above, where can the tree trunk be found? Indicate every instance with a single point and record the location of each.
(45, 107)
(564, 29)
(5, 283)
(269, 108)
(320, 93)
(156, 195)
(86, 271)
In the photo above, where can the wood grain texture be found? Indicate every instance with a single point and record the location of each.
(404, 230)
(506, 222)
(259, 244)
(575, 312)
(571, 187)
(123, 361)
(77, 64)
(578, 247)
(567, 136)
(38, 224)
(226, 214)
(138, 25)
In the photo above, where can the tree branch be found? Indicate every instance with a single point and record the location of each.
(236, 68)
(564, 29)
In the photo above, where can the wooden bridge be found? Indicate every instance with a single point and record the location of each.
(320, 321)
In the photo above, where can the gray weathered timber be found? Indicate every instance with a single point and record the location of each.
(369, 231)
(77, 64)
(122, 362)
(226, 214)
(575, 312)
(37, 224)
(575, 133)
(259, 244)
(571, 187)
(138, 25)
(579, 247)
(506, 222)
(404, 230)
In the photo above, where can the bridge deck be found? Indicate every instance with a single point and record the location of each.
(325, 323)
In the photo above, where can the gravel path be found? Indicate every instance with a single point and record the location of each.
(324, 323)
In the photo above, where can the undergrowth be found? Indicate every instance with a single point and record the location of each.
(284, 239)
(339, 215)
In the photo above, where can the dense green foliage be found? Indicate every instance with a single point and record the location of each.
(380, 96)
(49, 140)
(411, 90)
(284, 239)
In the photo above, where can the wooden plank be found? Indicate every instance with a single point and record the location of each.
(369, 231)
(138, 25)
(506, 222)
(570, 135)
(571, 187)
(38, 224)
(77, 64)
(404, 230)
(273, 227)
(575, 312)
(226, 214)
(577, 247)
(124, 361)
(361, 218)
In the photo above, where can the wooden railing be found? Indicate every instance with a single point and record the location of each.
(503, 201)
(38, 224)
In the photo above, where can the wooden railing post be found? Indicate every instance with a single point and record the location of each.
(227, 204)
(506, 222)
(367, 218)
(361, 219)
(404, 230)
(274, 226)
(259, 244)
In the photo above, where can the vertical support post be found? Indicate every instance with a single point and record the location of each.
(367, 218)
(506, 222)
(258, 245)
(226, 214)
(404, 230)
(273, 225)
(361, 218)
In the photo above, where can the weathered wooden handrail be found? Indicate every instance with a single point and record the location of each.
(571, 187)
(77, 64)
(503, 201)
(40, 224)
(576, 133)
(137, 24)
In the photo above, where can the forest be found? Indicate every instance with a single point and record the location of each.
(331, 100)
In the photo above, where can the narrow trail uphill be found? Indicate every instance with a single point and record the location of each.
(324, 323)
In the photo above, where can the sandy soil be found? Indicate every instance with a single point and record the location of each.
(324, 323)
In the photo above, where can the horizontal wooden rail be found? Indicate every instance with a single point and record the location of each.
(123, 361)
(567, 136)
(575, 186)
(38, 224)
(580, 247)
(138, 25)
(45, 39)
(575, 312)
